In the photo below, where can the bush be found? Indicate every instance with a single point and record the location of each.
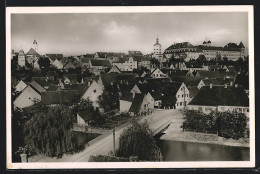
(231, 124)
(228, 124)
(138, 141)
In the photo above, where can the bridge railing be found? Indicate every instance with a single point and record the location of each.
(160, 128)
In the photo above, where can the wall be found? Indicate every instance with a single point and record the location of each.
(124, 106)
(180, 96)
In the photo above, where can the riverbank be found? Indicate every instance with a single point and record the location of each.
(196, 137)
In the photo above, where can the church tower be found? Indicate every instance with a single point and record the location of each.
(157, 52)
(35, 45)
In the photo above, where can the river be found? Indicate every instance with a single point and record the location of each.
(188, 151)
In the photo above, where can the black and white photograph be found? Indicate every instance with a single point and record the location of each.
(130, 87)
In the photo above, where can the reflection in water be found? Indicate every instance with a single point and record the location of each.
(187, 151)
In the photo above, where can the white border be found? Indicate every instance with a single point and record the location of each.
(141, 9)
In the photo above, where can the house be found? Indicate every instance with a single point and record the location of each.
(45, 82)
(53, 57)
(220, 98)
(61, 97)
(92, 93)
(69, 65)
(57, 64)
(215, 74)
(29, 95)
(133, 103)
(20, 86)
(21, 58)
(32, 58)
(114, 69)
(71, 79)
(98, 66)
(107, 55)
(154, 99)
(85, 118)
(193, 91)
(157, 73)
(128, 65)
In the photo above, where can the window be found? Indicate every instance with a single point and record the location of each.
(200, 108)
(182, 95)
(178, 96)
(94, 91)
(180, 103)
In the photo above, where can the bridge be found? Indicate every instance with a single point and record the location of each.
(158, 121)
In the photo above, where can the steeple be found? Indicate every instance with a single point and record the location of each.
(35, 45)
(157, 40)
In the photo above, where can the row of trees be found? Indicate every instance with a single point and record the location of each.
(227, 124)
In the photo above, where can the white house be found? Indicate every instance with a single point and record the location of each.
(220, 98)
(29, 96)
(92, 93)
(57, 64)
(182, 96)
(20, 86)
(133, 103)
(157, 73)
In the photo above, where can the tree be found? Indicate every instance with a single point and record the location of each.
(200, 60)
(231, 124)
(155, 62)
(14, 63)
(44, 63)
(138, 141)
(109, 100)
(49, 131)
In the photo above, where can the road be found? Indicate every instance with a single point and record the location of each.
(105, 145)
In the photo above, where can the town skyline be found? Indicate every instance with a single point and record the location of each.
(124, 32)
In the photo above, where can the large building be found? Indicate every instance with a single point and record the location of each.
(187, 51)
(157, 50)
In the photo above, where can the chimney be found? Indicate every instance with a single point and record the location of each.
(210, 85)
(225, 85)
(236, 85)
(231, 83)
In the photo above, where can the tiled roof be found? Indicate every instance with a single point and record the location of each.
(53, 57)
(179, 72)
(38, 88)
(188, 81)
(87, 115)
(69, 65)
(156, 95)
(108, 78)
(218, 95)
(32, 52)
(125, 87)
(137, 103)
(104, 63)
(66, 97)
(180, 45)
(74, 78)
(81, 88)
(215, 74)
(127, 96)
(110, 54)
(44, 81)
(114, 69)
(193, 91)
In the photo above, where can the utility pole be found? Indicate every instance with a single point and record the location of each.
(114, 141)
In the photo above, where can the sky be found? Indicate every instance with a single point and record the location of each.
(77, 34)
